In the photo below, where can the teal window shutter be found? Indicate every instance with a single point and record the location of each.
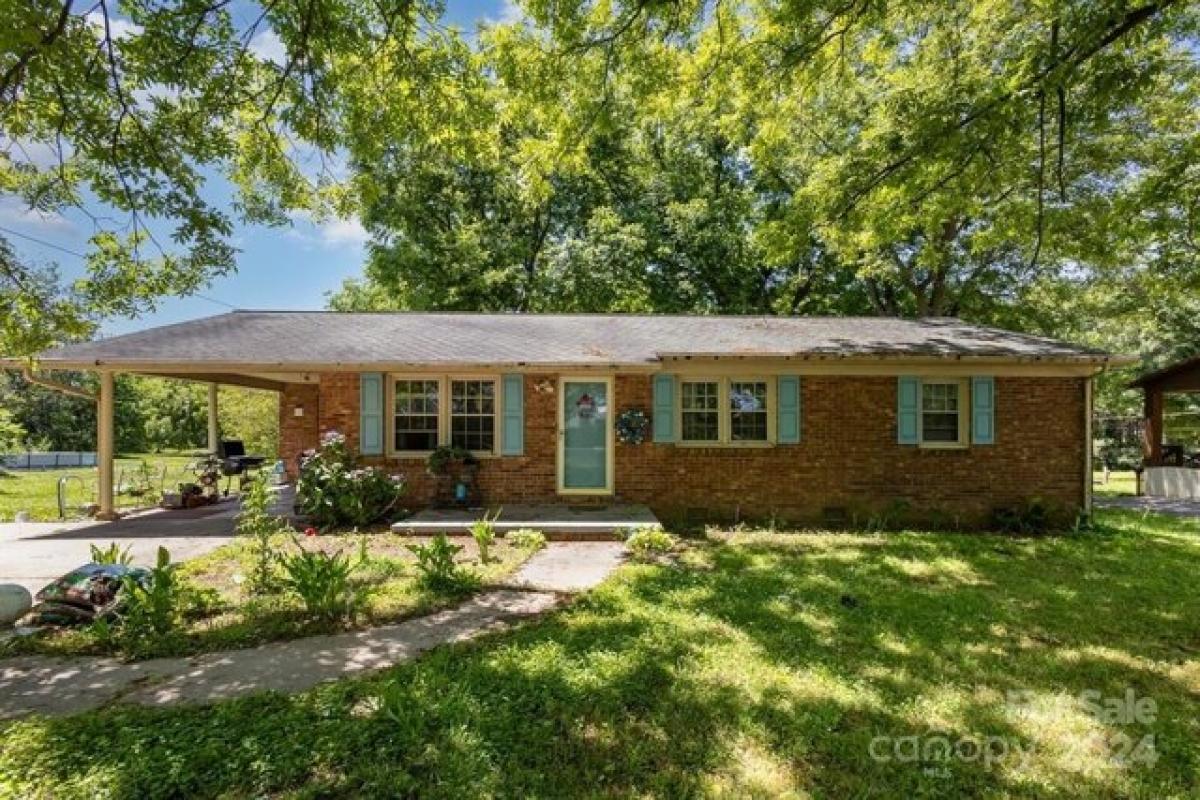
(788, 427)
(513, 397)
(370, 419)
(983, 409)
(664, 408)
(908, 409)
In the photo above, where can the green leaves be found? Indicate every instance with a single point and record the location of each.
(1032, 168)
(322, 581)
(136, 105)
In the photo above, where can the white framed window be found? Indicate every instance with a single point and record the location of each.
(943, 417)
(416, 414)
(726, 411)
(473, 414)
(700, 410)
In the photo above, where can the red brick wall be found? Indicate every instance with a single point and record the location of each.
(297, 434)
(848, 458)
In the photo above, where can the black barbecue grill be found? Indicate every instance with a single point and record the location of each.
(234, 461)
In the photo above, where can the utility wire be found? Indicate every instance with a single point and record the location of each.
(78, 254)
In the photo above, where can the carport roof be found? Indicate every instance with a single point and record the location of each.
(308, 340)
(1181, 376)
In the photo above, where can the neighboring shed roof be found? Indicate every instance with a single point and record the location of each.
(305, 339)
(1181, 376)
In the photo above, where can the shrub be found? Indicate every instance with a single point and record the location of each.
(1031, 518)
(332, 490)
(649, 540)
(483, 531)
(150, 607)
(257, 523)
(322, 581)
(436, 567)
(527, 539)
(200, 602)
(113, 554)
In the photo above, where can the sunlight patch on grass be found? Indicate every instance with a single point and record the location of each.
(820, 685)
(1186, 674)
(888, 642)
(753, 772)
(1064, 742)
(937, 570)
(944, 708)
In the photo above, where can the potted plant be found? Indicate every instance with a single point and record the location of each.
(455, 470)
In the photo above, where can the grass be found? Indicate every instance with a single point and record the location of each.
(755, 665)
(224, 617)
(1120, 484)
(36, 491)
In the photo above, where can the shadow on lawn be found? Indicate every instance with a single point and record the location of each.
(771, 666)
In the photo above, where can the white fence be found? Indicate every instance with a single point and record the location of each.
(57, 460)
(1175, 483)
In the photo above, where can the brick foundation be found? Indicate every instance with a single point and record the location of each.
(848, 461)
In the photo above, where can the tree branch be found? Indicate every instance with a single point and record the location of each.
(1073, 58)
(9, 84)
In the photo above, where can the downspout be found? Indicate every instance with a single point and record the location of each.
(55, 386)
(1089, 456)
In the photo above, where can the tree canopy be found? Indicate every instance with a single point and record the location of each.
(917, 158)
(140, 106)
(1032, 166)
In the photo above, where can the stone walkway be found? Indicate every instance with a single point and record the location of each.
(60, 686)
(569, 566)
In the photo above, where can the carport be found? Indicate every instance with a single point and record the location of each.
(143, 353)
(1170, 471)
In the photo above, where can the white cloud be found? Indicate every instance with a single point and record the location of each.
(269, 47)
(332, 233)
(343, 231)
(510, 11)
(15, 212)
(120, 28)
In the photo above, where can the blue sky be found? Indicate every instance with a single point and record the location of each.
(285, 268)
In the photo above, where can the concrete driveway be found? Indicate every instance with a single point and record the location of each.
(34, 553)
(1161, 505)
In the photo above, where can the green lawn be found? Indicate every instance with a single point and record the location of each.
(36, 491)
(1119, 484)
(760, 665)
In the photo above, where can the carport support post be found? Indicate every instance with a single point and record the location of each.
(104, 447)
(214, 433)
(1153, 425)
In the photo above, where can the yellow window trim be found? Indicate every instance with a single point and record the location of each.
(964, 404)
(443, 432)
(721, 423)
(724, 413)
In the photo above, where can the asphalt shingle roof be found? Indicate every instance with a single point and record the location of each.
(282, 338)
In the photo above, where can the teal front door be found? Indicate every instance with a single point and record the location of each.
(584, 437)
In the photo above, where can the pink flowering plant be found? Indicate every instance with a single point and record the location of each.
(334, 490)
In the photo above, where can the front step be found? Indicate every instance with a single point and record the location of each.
(573, 523)
(611, 532)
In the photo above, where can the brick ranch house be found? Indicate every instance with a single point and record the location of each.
(793, 417)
